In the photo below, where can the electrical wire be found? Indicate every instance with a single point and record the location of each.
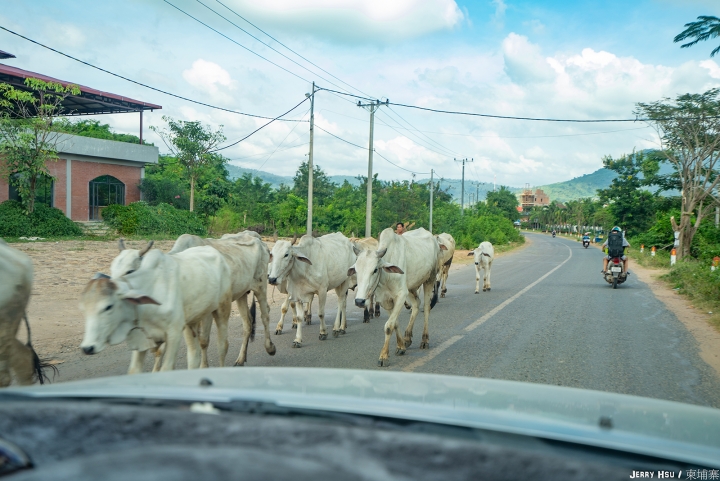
(262, 126)
(424, 135)
(282, 142)
(140, 83)
(267, 152)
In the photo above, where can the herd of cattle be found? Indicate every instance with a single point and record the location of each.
(151, 299)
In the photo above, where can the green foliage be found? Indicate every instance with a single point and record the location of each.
(140, 218)
(704, 28)
(323, 187)
(94, 129)
(504, 202)
(44, 221)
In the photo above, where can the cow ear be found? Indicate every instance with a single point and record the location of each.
(442, 247)
(302, 258)
(381, 252)
(356, 250)
(138, 298)
(351, 271)
(471, 253)
(393, 269)
(100, 275)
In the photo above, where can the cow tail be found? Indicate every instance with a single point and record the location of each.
(252, 319)
(436, 288)
(38, 365)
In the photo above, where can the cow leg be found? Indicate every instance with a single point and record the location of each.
(172, 345)
(158, 353)
(300, 311)
(204, 339)
(477, 278)
(413, 298)
(377, 306)
(283, 311)
(191, 332)
(322, 297)
(261, 296)
(222, 319)
(308, 311)
(340, 325)
(22, 363)
(487, 274)
(426, 336)
(293, 309)
(443, 279)
(390, 326)
(137, 358)
(247, 329)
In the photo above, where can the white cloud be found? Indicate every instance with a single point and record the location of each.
(499, 15)
(208, 77)
(64, 34)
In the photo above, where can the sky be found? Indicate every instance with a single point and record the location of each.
(550, 59)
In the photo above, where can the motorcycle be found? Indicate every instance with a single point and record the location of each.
(586, 243)
(553, 235)
(615, 273)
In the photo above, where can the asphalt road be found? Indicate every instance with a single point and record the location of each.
(550, 318)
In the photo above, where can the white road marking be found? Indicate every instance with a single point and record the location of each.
(442, 347)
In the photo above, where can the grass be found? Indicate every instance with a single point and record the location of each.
(508, 247)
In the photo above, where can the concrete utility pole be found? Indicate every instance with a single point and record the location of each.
(310, 161)
(371, 107)
(462, 185)
(717, 217)
(432, 188)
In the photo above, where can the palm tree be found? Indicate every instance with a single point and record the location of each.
(706, 27)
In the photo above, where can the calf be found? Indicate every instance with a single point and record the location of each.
(313, 267)
(484, 255)
(17, 360)
(394, 273)
(155, 299)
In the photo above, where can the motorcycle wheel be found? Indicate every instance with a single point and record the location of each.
(615, 282)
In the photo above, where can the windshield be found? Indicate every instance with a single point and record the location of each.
(497, 136)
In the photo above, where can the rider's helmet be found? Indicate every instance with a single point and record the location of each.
(615, 229)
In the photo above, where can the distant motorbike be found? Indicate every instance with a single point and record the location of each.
(615, 273)
(586, 243)
(553, 234)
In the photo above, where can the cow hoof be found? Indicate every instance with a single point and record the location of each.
(297, 344)
(477, 292)
(399, 352)
(366, 316)
(323, 337)
(308, 321)
(484, 289)
(294, 326)
(488, 289)
(377, 310)
(272, 350)
(408, 342)
(238, 364)
(442, 295)
(278, 332)
(336, 333)
(424, 345)
(342, 331)
(366, 320)
(383, 363)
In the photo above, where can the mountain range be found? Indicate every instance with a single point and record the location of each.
(577, 188)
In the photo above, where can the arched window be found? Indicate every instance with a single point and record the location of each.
(104, 191)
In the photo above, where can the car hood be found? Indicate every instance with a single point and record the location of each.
(666, 429)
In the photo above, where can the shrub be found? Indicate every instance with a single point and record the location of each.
(225, 220)
(139, 218)
(43, 222)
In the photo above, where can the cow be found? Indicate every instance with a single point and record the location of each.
(248, 257)
(394, 273)
(17, 360)
(484, 255)
(155, 298)
(446, 258)
(372, 309)
(312, 267)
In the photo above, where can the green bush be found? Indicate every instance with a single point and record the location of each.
(43, 222)
(139, 218)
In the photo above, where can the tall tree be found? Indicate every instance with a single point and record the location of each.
(504, 201)
(704, 28)
(323, 187)
(689, 132)
(28, 139)
(192, 143)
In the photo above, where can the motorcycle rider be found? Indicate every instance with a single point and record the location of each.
(586, 238)
(607, 258)
(553, 233)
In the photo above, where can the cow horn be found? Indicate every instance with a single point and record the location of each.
(294, 239)
(121, 244)
(146, 248)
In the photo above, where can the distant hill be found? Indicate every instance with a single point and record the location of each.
(579, 187)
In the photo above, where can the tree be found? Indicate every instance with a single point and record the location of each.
(689, 132)
(192, 143)
(504, 201)
(28, 139)
(706, 27)
(323, 187)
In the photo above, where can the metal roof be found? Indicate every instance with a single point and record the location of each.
(4, 54)
(89, 102)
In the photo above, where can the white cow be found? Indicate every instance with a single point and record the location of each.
(394, 273)
(248, 257)
(446, 258)
(484, 255)
(155, 299)
(312, 267)
(372, 309)
(17, 360)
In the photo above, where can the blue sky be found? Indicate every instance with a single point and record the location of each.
(582, 59)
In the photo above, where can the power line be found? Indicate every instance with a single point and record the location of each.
(282, 142)
(431, 149)
(267, 152)
(140, 83)
(424, 135)
(427, 145)
(261, 127)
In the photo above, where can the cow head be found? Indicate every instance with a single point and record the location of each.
(368, 268)
(128, 261)
(282, 258)
(110, 310)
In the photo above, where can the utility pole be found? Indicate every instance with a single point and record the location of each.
(371, 107)
(310, 161)
(462, 185)
(432, 188)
